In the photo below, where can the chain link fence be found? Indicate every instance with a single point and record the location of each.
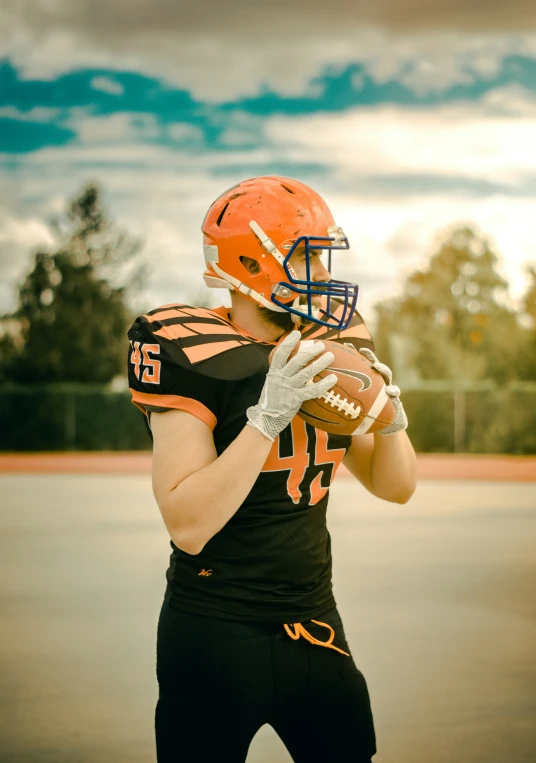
(444, 418)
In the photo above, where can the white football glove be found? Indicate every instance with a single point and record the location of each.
(289, 384)
(401, 420)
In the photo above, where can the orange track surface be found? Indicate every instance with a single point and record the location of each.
(430, 466)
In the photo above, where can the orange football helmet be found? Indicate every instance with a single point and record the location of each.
(267, 219)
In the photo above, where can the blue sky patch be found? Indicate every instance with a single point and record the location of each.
(19, 137)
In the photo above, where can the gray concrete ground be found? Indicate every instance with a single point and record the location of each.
(437, 597)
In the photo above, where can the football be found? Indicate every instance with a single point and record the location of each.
(357, 403)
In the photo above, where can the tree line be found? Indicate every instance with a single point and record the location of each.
(453, 319)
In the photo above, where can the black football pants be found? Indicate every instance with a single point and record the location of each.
(220, 681)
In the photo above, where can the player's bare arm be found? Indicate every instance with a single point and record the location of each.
(386, 466)
(197, 491)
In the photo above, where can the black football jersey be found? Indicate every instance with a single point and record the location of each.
(272, 560)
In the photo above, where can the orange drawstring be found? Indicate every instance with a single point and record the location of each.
(300, 631)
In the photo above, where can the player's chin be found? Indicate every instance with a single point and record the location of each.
(282, 321)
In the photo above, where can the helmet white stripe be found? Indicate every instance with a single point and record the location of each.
(267, 242)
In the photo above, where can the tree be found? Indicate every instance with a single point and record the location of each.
(71, 319)
(529, 300)
(527, 355)
(453, 320)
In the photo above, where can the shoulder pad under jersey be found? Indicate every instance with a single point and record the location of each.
(203, 340)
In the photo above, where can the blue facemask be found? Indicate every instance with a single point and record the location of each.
(338, 293)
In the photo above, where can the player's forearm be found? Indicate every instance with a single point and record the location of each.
(207, 499)
(393, 467)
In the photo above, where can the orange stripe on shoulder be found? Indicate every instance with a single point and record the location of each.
(210, 328)
(199, 312)
(177, 402)
(209, 350)
(163, 314)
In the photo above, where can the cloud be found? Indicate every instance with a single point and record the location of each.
(18, 236)
(511, 100)
(120, 128)
(37, 114)
(390, 238)
(107, 85)
(471, 141)
(221, 55)
(179, 132)
(102, 18)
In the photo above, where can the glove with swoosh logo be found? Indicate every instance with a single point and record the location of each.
(401, 420)
(288, 385)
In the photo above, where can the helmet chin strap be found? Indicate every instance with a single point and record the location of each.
(241, 288)
(296, 319)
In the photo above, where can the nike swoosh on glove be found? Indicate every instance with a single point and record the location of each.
(401, 420)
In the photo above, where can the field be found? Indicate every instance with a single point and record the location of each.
(437, 598)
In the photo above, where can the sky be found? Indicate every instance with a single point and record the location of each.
(408, 117)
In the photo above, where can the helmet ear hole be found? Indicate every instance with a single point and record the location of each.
(251, 265)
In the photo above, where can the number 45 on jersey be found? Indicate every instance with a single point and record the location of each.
(141, 356)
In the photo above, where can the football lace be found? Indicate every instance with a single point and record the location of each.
(342, 404)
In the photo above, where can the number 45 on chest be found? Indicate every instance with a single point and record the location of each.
(298, 463)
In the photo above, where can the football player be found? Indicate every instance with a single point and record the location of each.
(249, 632)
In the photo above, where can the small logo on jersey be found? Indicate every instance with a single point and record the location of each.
(366, 380)
(205, 573)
